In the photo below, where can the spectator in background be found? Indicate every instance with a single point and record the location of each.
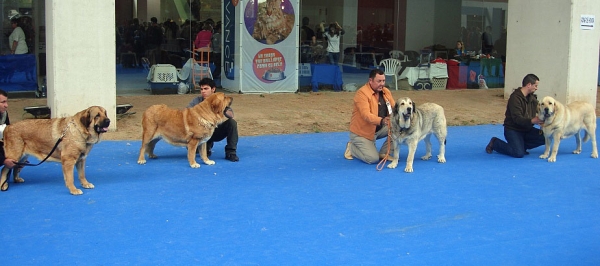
(307, 35)
(203, 38)
(154, 35)
(500, 46)
(215, 57)
(16, 40)
(474, 40)
(186, 35)
(459, 50)
(487, 43)
(171, 34)
(333, 42)
(320, 31)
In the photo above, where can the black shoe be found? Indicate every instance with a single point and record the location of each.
(490, 147)
(232, 157)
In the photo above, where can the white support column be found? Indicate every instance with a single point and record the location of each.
(545, 38)
(81, 68)
(350, 15)
(146, 9)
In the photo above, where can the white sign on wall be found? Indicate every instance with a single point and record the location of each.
(587, 22)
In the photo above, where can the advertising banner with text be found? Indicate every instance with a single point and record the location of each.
(266, 54)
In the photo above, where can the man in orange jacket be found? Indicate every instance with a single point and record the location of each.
(370, 119)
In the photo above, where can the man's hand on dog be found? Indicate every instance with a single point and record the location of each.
(10, 163)
(384, 121)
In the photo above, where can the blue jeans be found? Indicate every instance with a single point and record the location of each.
(334, 58)
(517, 142)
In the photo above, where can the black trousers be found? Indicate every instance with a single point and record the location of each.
(227, 129)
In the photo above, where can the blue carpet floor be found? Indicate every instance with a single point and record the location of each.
(294, 200)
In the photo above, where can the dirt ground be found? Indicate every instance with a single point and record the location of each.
(289, 113)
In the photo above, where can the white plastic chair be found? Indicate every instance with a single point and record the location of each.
(397, 54)
(391, 67)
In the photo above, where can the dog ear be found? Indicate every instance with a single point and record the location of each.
(215, 103)
(85, 118)
(413, 105)
(396, 107)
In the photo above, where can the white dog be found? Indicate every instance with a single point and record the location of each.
(410, 125)
(562, 121)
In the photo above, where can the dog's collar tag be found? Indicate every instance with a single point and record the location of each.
(389, 106)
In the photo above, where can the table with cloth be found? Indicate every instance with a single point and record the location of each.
(466, 74)
(436, 70)
(326, 74)
(457, 75)
(18, 72)
(490, 69)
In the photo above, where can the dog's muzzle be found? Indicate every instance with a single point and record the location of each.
(547, 112)
(407, 114)
(228, 112)
(103, 126)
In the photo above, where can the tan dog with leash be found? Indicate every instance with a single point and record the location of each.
(37, 137)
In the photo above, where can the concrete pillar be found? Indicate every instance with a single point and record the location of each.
(81, 68)
(146, 9)
(350, 11)
(545, 38)
(154, 10)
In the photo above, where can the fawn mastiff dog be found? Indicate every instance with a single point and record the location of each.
(562, 121)
(189, 127)
(411, 124)
(37, 137)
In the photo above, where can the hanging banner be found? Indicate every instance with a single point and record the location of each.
(270, 46)
(229, 38)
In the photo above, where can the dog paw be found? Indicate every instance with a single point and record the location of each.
(76, 192)
(4, 187)
(392, 165)
(576, 151)
(408, 169)
(88, 185)
(544, 156)
(426, 157)
(595, 155)
(209, 162)
(19, 180)
(152, 156)
(141, 161)
(441, 159)
(552, 159)
(195, 165)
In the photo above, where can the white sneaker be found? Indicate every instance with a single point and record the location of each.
(348, 153)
